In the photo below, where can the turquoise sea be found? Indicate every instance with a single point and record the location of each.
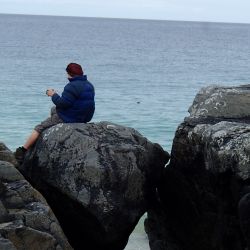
(146, 73)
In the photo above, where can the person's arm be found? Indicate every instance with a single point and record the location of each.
(67, 99)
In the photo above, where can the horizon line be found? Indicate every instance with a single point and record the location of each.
(127, 18)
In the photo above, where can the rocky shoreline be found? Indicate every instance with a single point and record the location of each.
(100, 178)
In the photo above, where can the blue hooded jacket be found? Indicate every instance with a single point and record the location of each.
(77, 102)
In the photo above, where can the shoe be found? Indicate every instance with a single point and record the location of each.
(20, 154)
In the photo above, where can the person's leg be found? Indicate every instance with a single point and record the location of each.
(21, 151)
(31, 140)
(49, 122)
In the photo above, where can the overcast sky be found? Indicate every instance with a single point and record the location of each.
(191, 10)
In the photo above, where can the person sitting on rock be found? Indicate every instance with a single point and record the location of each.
(76, 104)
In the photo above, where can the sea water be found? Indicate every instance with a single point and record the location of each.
(146, 73)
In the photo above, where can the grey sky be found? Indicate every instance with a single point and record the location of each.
(193, 10)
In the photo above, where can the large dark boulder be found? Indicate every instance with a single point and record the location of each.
(26, 220)
(98, 178)
(206, 185)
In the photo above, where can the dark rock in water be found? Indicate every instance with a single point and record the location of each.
(209, 172)
(26, 220)
(98, 178)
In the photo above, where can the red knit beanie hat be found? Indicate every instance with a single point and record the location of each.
(74, 69)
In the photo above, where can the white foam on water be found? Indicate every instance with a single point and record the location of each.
(138, 241)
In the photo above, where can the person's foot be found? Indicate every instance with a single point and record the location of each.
(20, 154)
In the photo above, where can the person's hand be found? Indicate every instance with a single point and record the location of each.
(50, 92)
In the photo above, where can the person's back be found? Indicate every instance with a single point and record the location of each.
(77, 102)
